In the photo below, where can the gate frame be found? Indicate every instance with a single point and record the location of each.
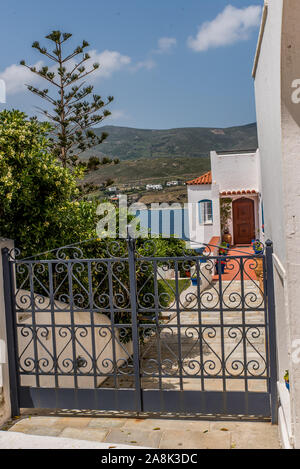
(10, 317)
(271, 310)
(9, 299)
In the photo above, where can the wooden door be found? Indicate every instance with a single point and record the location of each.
(243, 221)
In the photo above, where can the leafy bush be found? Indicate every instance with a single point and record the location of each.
(40, 211)
(38, 206)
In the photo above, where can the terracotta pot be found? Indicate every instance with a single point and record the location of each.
(227, 238)
(259, 270)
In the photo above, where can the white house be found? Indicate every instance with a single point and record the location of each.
(277, 91)
(234, 176)
(154, 187)
(172, 183)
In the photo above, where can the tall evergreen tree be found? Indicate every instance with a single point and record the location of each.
(76, 109)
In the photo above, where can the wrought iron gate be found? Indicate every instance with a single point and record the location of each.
(131, 331)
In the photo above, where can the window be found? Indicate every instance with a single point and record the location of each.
(205, 212)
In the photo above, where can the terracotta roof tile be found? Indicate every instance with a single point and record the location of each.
(204, 179)
(241, 192)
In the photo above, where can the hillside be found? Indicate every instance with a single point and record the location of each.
(131, 144)
(150, 170)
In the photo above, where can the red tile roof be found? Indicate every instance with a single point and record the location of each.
(204, 179)
(241, 192)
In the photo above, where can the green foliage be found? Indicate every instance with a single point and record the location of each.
(40, 211)
(38, 207)
(167, 289)
(225, 212)
(77, 108)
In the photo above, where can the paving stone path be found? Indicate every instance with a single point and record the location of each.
(154, 433)
(196, 348)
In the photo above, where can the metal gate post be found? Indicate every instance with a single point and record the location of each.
(11, 331)
(134, 321)
(272, 331)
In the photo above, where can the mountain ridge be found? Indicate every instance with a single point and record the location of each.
(127, 143)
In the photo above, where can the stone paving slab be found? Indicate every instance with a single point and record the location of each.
(135, 437)
(89, 434)
(153, 433)
(10, 440)
(176, 439)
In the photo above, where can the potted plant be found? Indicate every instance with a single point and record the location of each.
(257, 246)
(223, 251)
(194, 281)
(225, 217)
(287, 380)
(227, 238)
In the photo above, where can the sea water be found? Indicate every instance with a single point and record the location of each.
(166, 222)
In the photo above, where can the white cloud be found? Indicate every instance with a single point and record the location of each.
(17, 76)
(110, 62)
(117, 114)
(148, 64)
(229, 27)
(165, 44)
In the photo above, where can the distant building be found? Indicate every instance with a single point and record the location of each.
(172, 183)
(154, 187)
(235, 176)
(112, 189)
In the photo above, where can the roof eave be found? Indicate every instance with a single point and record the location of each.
(260, 39)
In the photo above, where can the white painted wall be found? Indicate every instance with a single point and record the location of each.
(235, 171)
(202, 233)
(267, 92)
(239, 171)
(278, 120)
(268, 110)
(230, 172)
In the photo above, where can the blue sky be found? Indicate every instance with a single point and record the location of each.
(164, 68)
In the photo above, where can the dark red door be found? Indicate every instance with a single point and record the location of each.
(243, 221)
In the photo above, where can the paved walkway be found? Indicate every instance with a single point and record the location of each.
(18, 440)
(152, 433)
(233, 266)
(202, 347)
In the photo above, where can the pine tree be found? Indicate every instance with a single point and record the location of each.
(76, 110)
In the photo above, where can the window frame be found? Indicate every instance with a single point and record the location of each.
(206, 221)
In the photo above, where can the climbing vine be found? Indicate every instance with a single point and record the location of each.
(225, 213)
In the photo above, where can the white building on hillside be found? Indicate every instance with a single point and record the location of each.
(234, 176)
(172, 183)
(154, 187)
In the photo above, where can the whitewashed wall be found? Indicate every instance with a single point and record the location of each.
(278, 120)
(290, 118)
(200, 233)
(230, 172)
(235, 171)
(268, 110)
